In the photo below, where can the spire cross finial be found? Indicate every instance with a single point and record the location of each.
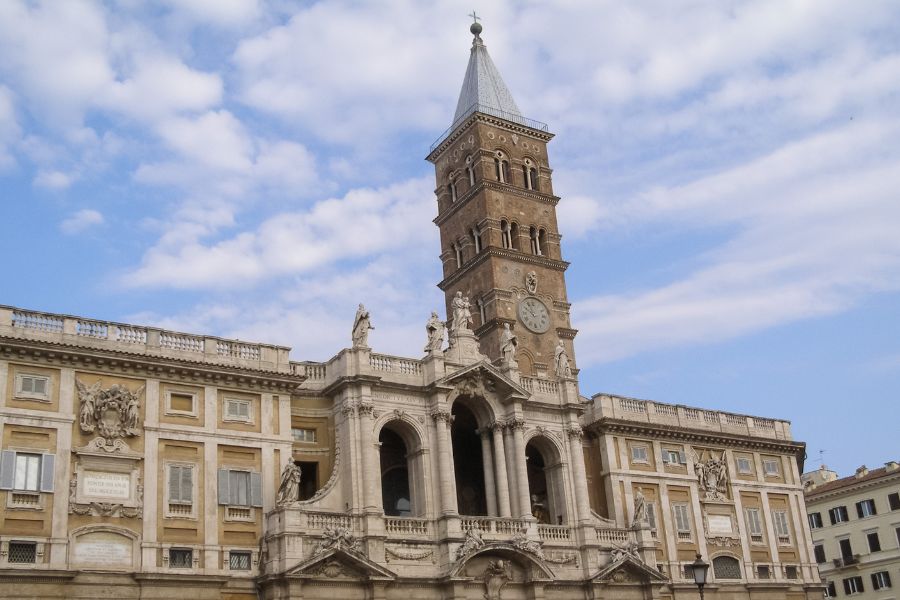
(474, 17)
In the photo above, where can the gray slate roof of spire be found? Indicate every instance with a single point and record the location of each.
(483, 89)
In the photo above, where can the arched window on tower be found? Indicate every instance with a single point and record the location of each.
(451, 189)
(458, 254)
(530, 174)
(505, 234)
(542, 242)
(533, 237)
(501, 163)
(514, 236)
(481, 313)
(470, 170)
(535, 179)
(476, 238)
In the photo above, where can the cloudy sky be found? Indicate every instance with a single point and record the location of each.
(729, 174)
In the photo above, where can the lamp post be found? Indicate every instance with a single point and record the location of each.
(700, 570)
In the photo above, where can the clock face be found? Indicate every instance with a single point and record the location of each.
(534, 315)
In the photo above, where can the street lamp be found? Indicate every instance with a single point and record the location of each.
(700, 570)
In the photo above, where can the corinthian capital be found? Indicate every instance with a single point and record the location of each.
(575, 431)
(440, 416)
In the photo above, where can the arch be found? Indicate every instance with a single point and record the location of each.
(534, 568)
(546, 480)
(402, 467)
(505, 234)
(470, 170)
(530, 173)
(468, 461)
(526, 361)
(475, 232)
(501, 166)
(726, 566)
(514, 235)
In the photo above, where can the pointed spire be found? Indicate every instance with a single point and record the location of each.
(483, 89)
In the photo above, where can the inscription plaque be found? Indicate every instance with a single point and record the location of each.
(98, 484)
(103, 548)
(719, 524)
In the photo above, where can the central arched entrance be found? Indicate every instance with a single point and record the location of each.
(395, 489)
(467, 460)
(545, 481)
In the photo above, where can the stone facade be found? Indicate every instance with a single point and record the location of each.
(142, 463)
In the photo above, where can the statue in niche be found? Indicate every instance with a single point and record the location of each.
(462, 314)
(508, 344)
(712, 475)
(434, 328)
(112, 413)
(289, 490)
(640, 510)
(361, 326)
(561, 360)
(495, 577)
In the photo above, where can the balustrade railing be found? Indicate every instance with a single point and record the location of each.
(606, 535)
(322, 520)
(395, 364)
(131, 335)
(238, 350)
(405, 526)
(37, 321)
(536, 385)
(494, 526)
(554, 532)
(312, 371)
(180, 341)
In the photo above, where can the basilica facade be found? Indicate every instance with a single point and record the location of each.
(144, 463)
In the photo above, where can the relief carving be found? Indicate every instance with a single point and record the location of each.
(113, 413)
(495, 577)
(337, 538)
(712, 475)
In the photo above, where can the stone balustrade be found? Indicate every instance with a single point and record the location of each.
(494, 527)
(648, 411)
(405, 527)
(555, 533)
(395, 364)
(608, 536)
(136, 339)
(540, 387)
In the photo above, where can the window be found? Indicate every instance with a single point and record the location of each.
(239, 488)
(33, 387)
(874, 542)
(780, 523)
(651, 518)
(181, 490)
(897, 532)
(505, 237)
(237, 409)
(754, 525)
(303, 435)
(537, 238)
(22, 552)
(682, 521)
(726, 567)
(865, 508)
(476, 238)
(687, 571)
(457, 251)
(531, 175)
(853, 585)
(542, 242)
(763, 572)
(791, 572)
(514, 236)
(830, 591)
(179, 402)
(181, 558)
(639, 454)
(838, 514)
(676, 457)
(819, 553)
(744, 465)
(815, 520)
(26, 471)
(481, 312)
(894, 501)
(846, 549)
(451, 188)
(881, 580)
(239, 561)
(770, 467)
(470, 170)
(501, 164)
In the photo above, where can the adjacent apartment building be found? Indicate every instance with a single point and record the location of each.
(855, 523)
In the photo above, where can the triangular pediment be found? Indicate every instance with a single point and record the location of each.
(484, 375)
(628, 569)
(339, 563)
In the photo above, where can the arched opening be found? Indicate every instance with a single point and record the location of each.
(726, 567)
(395, 488)
(545, 482)
(505, 237)
(470, 170)
(501, 164)
(514, 236)
(533, 237)
(451, 189)
(534, 179)
(541, 242)
(467, 460)
(476, 238)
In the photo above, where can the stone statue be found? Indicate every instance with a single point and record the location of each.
(361, 326)
(640, 509)
(435, 331)
(561, 360)
(473, 542)
(524, 544)
(508, 344)
(337, 538)
(622, 549)
(132, 416)
(495, 577)
(289, 490)
(531, 282)
(712, 476)
(113, 413)
(88, 397)
(462, 315)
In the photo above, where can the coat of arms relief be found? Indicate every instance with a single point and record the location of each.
(112, 413)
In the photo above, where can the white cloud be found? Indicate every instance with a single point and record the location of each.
(81, 220)
(53, 180)
(230, 13)
(9, 128)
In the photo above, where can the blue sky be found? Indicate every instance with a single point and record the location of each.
(728, 174)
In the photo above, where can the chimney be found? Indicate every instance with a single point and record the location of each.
(891, 465)
(862, 471)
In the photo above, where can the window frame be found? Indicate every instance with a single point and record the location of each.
(192, 468)
(188, 552)
(771, 461)
(819, 549)
(20, 393)
(753, 516)
(237, 418)
(743, 459)
(307, 430)
(170, 411)
(687, 529)
(817, 522)
(853, 582)
(9, 471)
(646, 451)
(881, 580)
(869, 537)
(781, 524)
(241, 553)
(866, 508)
(841, 511)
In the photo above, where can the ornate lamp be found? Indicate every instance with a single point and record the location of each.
(700, 570)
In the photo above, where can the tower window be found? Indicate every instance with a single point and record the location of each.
(505, 237)
(451, 189)
(501, 163)
(481, 313)
(470, 170)
(514, 236)
(542, 242)
(538, 240)
(457, 252)
(531, 175)
(476, 238)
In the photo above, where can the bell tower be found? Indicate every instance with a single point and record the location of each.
(500, 243)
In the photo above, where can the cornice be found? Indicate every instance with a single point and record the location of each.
(141, 365)
(609, 425)
(507, 188)
(854, 488)
(478, 117)
(515, 255)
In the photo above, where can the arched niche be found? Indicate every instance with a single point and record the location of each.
(402, 466)
(546, 480)
(104, 547)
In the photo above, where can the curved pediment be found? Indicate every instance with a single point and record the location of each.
(532, 567)
(340, 563)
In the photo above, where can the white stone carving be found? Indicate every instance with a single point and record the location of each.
(474, 541)
(622, 549)
(337, 538)
(405, 552)
(495, 577)
(639, 520)
(531, 282)
(462, 314)
(508, 344)
(434, 329)
(712, 475)
(362, 323)
(113, 413)
(561, 361)
(523, 543)
(289, 490)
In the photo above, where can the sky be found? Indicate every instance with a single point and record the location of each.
(728, 174)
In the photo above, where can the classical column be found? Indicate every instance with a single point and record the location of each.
(487, 463)
(518, 427)
(579, 477)
(371, 469)
(511, 471)
(446, 476)
(500, 466)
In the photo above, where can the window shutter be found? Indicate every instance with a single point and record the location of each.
(187, 484)
(887, 579)
(831, 516)
(255, 489)
(224, 492)
(875, 584)
(174, 483)
(47, 472)
(682, 457)
(665, 456)
(847, 587)
(894, 501)
(7, 470)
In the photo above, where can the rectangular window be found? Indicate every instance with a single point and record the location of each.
(815, 520)
(181, 558)
(838, 514)
(651, 517)
(780, 522)
(830, 591)
(26, 471)
(181, 484)
(237, 409)
(846, 549)
(770, 467)
(881, 580)
(33, 387)
(763, 572)
(639, 454)
(239, 484)
(874, 542)
(754, 525)
(239, 561)
(180, 402)
(674, 457)
(894, 501)
(240, 488)
(819, 552)
(682, 521)
(303, 435)
(22, 552)
(865, 508)
(791, 572)
(853, 585)
(744, 465)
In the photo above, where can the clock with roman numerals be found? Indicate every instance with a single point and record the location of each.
(534, 315)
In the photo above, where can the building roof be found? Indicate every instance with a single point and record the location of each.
(483, 89)
(852, 480)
